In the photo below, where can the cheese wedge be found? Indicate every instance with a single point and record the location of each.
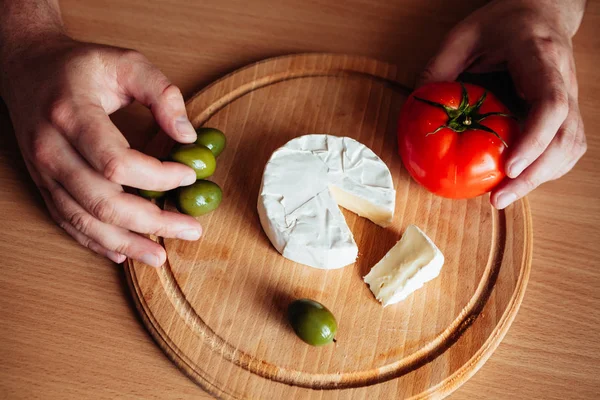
(414, 260)
(303, 185)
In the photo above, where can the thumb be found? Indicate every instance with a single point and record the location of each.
(148, 85)
(454, 56)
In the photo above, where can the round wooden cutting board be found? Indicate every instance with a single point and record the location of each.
(217, 307)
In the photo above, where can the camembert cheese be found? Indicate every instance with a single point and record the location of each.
(303, 184)
(414, 260)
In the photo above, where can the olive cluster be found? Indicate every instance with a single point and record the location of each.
(203, 196)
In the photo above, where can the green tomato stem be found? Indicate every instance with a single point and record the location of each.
(466, 117)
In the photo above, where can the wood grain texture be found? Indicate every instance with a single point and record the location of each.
(217, 307)
(69, 329)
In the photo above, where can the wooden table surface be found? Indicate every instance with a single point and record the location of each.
(69, 329)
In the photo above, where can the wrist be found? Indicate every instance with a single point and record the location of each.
(17, 62)
(26, 28)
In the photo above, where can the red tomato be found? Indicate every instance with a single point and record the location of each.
(453, 138)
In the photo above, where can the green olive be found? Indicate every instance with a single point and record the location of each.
(200, 198)
(197, 157)
(212, 138)
(151, 194)
(312, 322)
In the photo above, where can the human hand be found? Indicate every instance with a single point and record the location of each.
(532, 39)
(59, 95)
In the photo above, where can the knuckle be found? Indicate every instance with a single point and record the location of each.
(82, 55)
(63, 224)
(531, 182)
(559, 100)
(580, 140)
(70, 176)
(537, 144)
(530, 18)
(548, 47)
(104, 210)
(115, 169)
(80, 221)
(61, 113)
(132, 55)
(123, 248)
(129, 61)
(579, 146)
(160, 231)
(156, 224)
(573, 142)
(42, 152)
(171, 92)
(85, 242)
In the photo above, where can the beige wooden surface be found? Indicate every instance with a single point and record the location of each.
(69, 329)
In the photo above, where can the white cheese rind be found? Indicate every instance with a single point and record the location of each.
(412, 262)
(298, 210)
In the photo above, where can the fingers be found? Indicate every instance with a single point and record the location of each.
(144, 82)
(537, 72)
(105, 148)
(90, 244)
(80, 224)
(106, 201)
(139, 215)
(567, 147)
(77, 235)
(96, 211)
(456, 53)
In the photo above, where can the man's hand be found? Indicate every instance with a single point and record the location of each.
(60, 93)
(532, 38)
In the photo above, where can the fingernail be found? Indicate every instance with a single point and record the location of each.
(188, 180)
(190, 234)
(516, 167)
(115, 257)
(185, 128)
(150, 259)
(504, 200)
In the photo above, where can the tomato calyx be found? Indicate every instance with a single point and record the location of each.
(466, 117)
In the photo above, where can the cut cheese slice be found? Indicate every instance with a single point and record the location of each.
(303, 184)
(414, 260)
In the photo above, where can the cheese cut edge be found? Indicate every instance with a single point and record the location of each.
(379, 215)
(414, 281)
